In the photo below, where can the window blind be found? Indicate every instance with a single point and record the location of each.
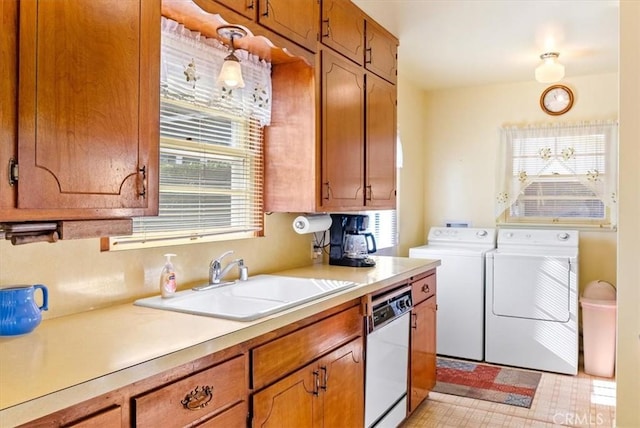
(561, 174)
(211, 146)
(383, 226)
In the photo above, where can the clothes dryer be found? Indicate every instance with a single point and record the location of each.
(532, 300)
(460, 281)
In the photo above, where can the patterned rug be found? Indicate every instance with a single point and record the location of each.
(484, 382)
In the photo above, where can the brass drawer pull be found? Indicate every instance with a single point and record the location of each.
(198, 398)
(425, 288)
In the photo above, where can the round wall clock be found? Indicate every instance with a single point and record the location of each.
(556, 100)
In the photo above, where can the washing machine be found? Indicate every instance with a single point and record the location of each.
(460, 287)
(532, 300)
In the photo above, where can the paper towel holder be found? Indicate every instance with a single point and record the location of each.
(312, 223)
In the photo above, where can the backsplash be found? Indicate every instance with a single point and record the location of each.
(81, 278)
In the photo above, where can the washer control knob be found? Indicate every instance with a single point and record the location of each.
(482, 233)
(563, 236)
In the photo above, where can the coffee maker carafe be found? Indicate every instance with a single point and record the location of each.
(350, 243)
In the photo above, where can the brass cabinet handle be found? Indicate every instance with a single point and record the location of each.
(266, 9)
(250, 5)
(143, 172)
(368, 58)
(316, 382)
(425, 288)
(328, 32)
(198, 398)
(323, 386)
(328, 190)
(414, 324)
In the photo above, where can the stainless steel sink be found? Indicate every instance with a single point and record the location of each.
(259, 296)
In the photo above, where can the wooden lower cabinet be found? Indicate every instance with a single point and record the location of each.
(309, 373)
(209, 392)
(422, 367)
(328, 392)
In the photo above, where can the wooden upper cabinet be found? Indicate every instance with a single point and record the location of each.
(381, 52)
(296, 20)
(88, 104)
(342, 28)
(342, 133)
(380, 146)
(246, 8)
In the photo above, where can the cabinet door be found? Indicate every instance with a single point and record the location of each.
(380, 146)
(342, 133)
(423, 352)
(297, 20)
(244, 7)
(88, 105)
(290, 402)
(342, 380)
(342, 28)
(381, 52)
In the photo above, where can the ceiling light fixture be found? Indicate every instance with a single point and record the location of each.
(231, 73)
(550, 70)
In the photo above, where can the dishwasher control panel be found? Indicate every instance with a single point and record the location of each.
(390, 306)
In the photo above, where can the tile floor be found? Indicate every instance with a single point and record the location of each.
(560, 400)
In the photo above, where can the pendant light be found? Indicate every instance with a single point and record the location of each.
(550, 70)
(231, 72)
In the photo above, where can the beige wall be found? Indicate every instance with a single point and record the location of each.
(411, 195)
(461, 139)
(628, 348)
(79, 277)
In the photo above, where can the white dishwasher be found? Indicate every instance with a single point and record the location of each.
(387, 359)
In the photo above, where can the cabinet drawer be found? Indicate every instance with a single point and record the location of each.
(423, 288)
(288, 353)
(235, 417)
(194, 398)
(110, 418)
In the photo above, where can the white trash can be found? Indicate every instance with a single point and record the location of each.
(598, 304)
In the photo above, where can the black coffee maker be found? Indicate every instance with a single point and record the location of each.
(350, 244)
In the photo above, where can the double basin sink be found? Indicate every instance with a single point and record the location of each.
(257, 297)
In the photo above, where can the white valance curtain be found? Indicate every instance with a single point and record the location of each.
(558, 173)
(190, 66)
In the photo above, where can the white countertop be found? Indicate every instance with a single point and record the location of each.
(69, 359)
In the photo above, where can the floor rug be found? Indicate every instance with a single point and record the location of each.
(485, 382)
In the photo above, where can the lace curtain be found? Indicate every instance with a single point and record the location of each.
(558, 173)
(190, 66)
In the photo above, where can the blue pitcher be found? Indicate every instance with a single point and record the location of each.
(19, 313)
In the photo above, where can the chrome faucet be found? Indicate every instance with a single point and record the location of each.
(217, 273)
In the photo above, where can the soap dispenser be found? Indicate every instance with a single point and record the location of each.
(168, 282)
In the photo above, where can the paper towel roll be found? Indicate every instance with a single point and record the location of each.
(312, 223)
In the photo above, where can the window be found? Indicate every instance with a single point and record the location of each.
(383, 226)
(211, 151)
(558, 174)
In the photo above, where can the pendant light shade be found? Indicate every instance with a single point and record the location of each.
(231, 72)
(550, 70)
